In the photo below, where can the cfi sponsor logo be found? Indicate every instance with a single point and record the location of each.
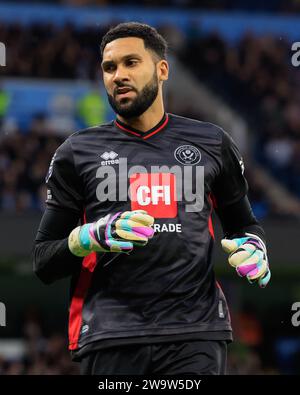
(187, 155)
(154, 192)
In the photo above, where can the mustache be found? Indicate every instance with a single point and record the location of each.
(120, 85)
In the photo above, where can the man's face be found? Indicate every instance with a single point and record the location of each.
(130, 76)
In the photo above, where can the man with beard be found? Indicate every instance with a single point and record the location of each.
(140, 306)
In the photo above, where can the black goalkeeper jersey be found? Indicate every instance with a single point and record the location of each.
(166, 290)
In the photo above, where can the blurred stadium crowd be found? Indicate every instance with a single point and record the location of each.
(255, 77)
(43, 353)
(252, 5)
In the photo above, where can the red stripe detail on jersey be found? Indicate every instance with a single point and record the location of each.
(211, 227)
(213, 200)
(126, 130)
(141, 134)
(157, 130)
(210, 223)
(75, 316)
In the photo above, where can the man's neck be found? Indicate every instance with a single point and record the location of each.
(148, 120)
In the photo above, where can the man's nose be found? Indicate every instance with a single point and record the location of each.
(121, 74)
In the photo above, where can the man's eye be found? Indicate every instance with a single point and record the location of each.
(131, 62)
(109, 68)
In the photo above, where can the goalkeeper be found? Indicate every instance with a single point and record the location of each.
(144, 302)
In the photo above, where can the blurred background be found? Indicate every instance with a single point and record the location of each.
(231, 64)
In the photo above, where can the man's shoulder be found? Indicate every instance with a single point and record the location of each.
(104, 127)
(79, 136)
(209, 128)
(87, 134)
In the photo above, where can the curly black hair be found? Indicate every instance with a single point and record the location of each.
(152, 39)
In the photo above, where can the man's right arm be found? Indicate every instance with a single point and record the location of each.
(52, 259)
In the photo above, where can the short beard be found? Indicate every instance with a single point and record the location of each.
(140, 104)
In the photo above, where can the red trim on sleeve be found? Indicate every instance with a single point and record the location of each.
(210, 222)
(211, 227)
(75, 315)
(76, 307)
(213, 200)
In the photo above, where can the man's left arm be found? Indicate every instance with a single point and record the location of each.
(244, 238)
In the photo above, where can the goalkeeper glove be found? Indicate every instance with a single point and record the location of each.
(249, 257)
(118, 232)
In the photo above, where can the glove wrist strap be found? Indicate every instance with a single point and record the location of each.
(261, 242)
(74, 243)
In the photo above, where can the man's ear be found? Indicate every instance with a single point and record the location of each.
(162, 68)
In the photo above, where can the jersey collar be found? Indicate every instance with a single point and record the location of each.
(143, 135)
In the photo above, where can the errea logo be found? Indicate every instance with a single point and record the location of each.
(109, 158)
